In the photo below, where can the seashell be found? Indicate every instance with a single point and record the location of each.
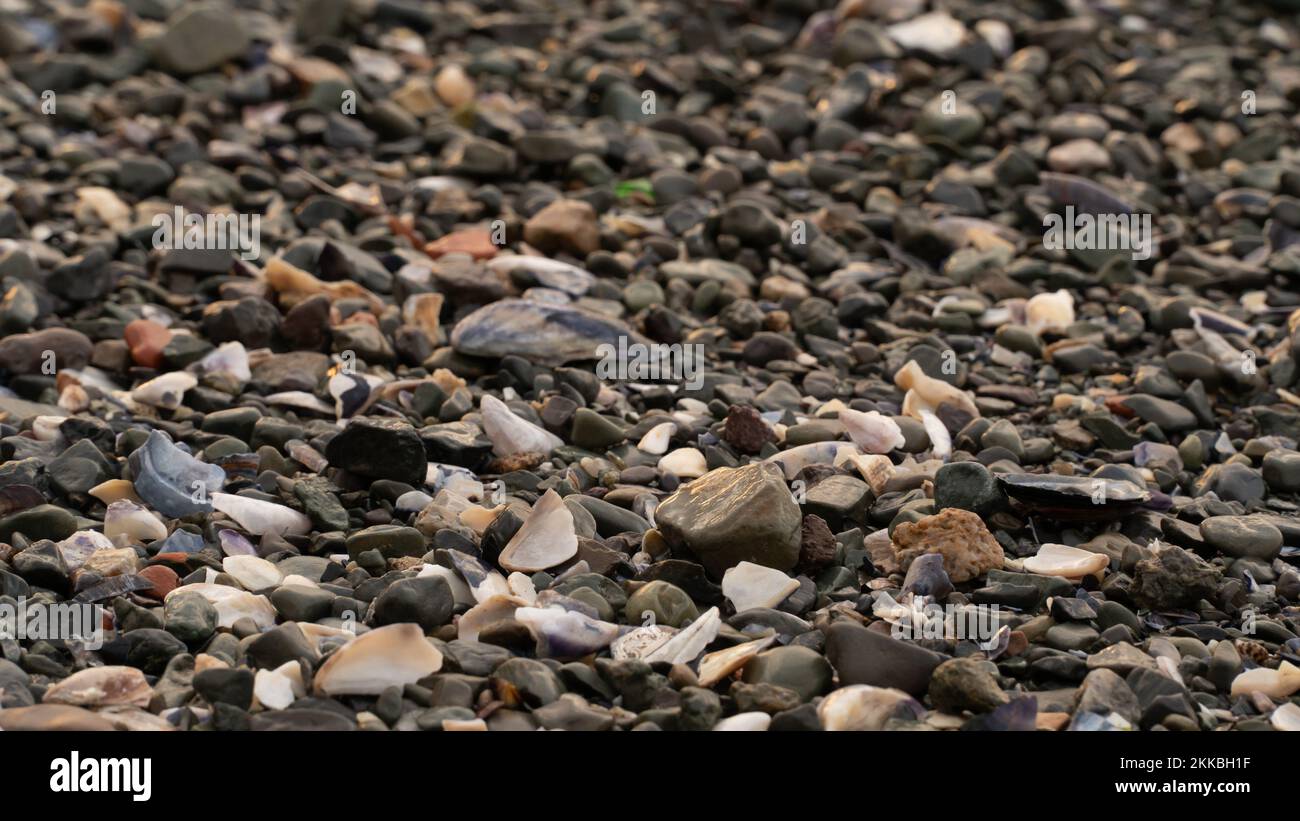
(565, 634)
(259, 517)
(1050, 312)
(350, 392)
(293, 285)
(1286, 717)
(496, 608)
(816, 453)
(511, 434)
(233, 604)
(233, 543)
(523, 587)
(165, 391)
(114, 490)
(872, 432)
(423, 311)
(657, 438)
(690, 641)
(749, 585)
(391, 656)
(754, 722)
(926, 392)
(638, 642)
(81, 545)
(546, 539)
(128, 523)
(252, 572)
(936, 32)
(228, 360)
(172, 481)
(460, 591)
(685, 463)
(301, 400)
(46, 428)
(550, 273)
(478, 518)
(863, 707)
(544, 333)
(274, 690)
(876, 471)
(716, 666)
(412, 501)
(1279, 683)
(101, 687)
(940, 439)
(1069, 562)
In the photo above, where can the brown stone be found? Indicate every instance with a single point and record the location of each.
(564, 225)
(147, 340)
(817, 544)
(745, 430)
(163, 579)
(477, 242)
(968, 549)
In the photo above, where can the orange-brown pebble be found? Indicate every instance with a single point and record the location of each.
(163, 579)
(477, 242)
(147, 340)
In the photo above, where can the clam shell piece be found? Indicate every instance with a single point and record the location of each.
(232, 604)
(876, 471)
(940, 439)
(716, 666)
(133, 523)
(394, 655)
(511, 434)
(872, 432)
(1070, 562)
(259, 517)
(816, 453)
(253, 572)
(690, 641)
(1050, 312)
(496, 608)
(274, 690)
(229, 358)
(863, 707)
(1286, 717)
(81, 545)
(637, 643)
(656, 439)
(422, 311)
(564, 634)
(1279, 683)
(749, 585)
(546, 539)
(165, 391)
(686, 463)
(101, 687)
(115, 490)
(925, 391)
(172, 481)
(754, 722)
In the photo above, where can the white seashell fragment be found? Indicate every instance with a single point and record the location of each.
(229, 359)
(46, 428)
(656, 439)
(716, 666)
(1286, 717)
(872, 432)
(1050, 312)
(488, 612)
(101, 687)
(1279, 683)
(511, 434)
(165, 391)
(876, 471)
(565, 633)
(128, 523)
(82, 545)
(273, 690)
(685, 463)
(749, 585)
(232, 604)
(115, 490)
(546, 539)
(754, 722)
(816, 453)
(863, 707)
(1069, 562)
(637, 643)
(940, 439)
(391, 656)
(690, 641)
(523, 587)
(253, 572)
(259, 517)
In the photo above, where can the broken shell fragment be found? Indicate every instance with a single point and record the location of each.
(511, 434)
(872, 432)
(259, 517)
(391, 656)
(1068, 562)
(546, 539)
(750, 585)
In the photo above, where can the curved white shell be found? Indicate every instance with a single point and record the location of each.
(393, 655)
(546, 539)
(511, 434)
(259, 517)
(1070, 562)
